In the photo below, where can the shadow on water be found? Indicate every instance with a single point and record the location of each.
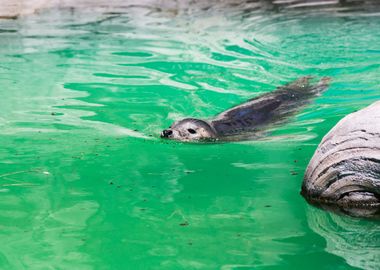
(365, 212)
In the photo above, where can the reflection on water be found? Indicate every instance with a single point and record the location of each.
(354, 240)
(85, 181)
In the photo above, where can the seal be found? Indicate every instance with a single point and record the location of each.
(247, 120)
(344, 172)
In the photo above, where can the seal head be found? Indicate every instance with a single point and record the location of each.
(190, 129)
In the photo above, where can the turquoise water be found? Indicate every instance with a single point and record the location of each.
(86, 182)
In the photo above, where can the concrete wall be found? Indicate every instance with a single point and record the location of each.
(15, 8)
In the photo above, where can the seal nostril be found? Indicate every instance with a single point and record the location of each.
(167, 133)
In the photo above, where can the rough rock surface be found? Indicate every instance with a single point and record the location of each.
(345, 169)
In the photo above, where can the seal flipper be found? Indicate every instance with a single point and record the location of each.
(303, 87)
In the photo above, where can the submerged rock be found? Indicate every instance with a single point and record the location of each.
(344, 173)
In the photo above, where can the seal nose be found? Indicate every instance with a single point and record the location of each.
(166, 133)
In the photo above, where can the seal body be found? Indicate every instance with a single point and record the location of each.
(345, 168)
(250, 118)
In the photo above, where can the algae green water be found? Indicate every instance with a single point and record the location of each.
(86, 182)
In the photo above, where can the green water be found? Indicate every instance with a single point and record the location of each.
(86, 182)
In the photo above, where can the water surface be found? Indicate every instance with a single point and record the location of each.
(86, 182)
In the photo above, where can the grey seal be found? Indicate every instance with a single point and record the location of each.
(344, 172)
(247, 120)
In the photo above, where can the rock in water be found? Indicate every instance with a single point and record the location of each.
(344, 172)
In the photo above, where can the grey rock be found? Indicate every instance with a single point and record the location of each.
(345, 168)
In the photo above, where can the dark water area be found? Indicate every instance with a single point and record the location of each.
(87, 183)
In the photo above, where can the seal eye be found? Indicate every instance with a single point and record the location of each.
(191, 131)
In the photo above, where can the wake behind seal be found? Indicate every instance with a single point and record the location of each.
(249, 119)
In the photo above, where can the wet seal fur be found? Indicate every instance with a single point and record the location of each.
(344, 172)
(247, 120)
